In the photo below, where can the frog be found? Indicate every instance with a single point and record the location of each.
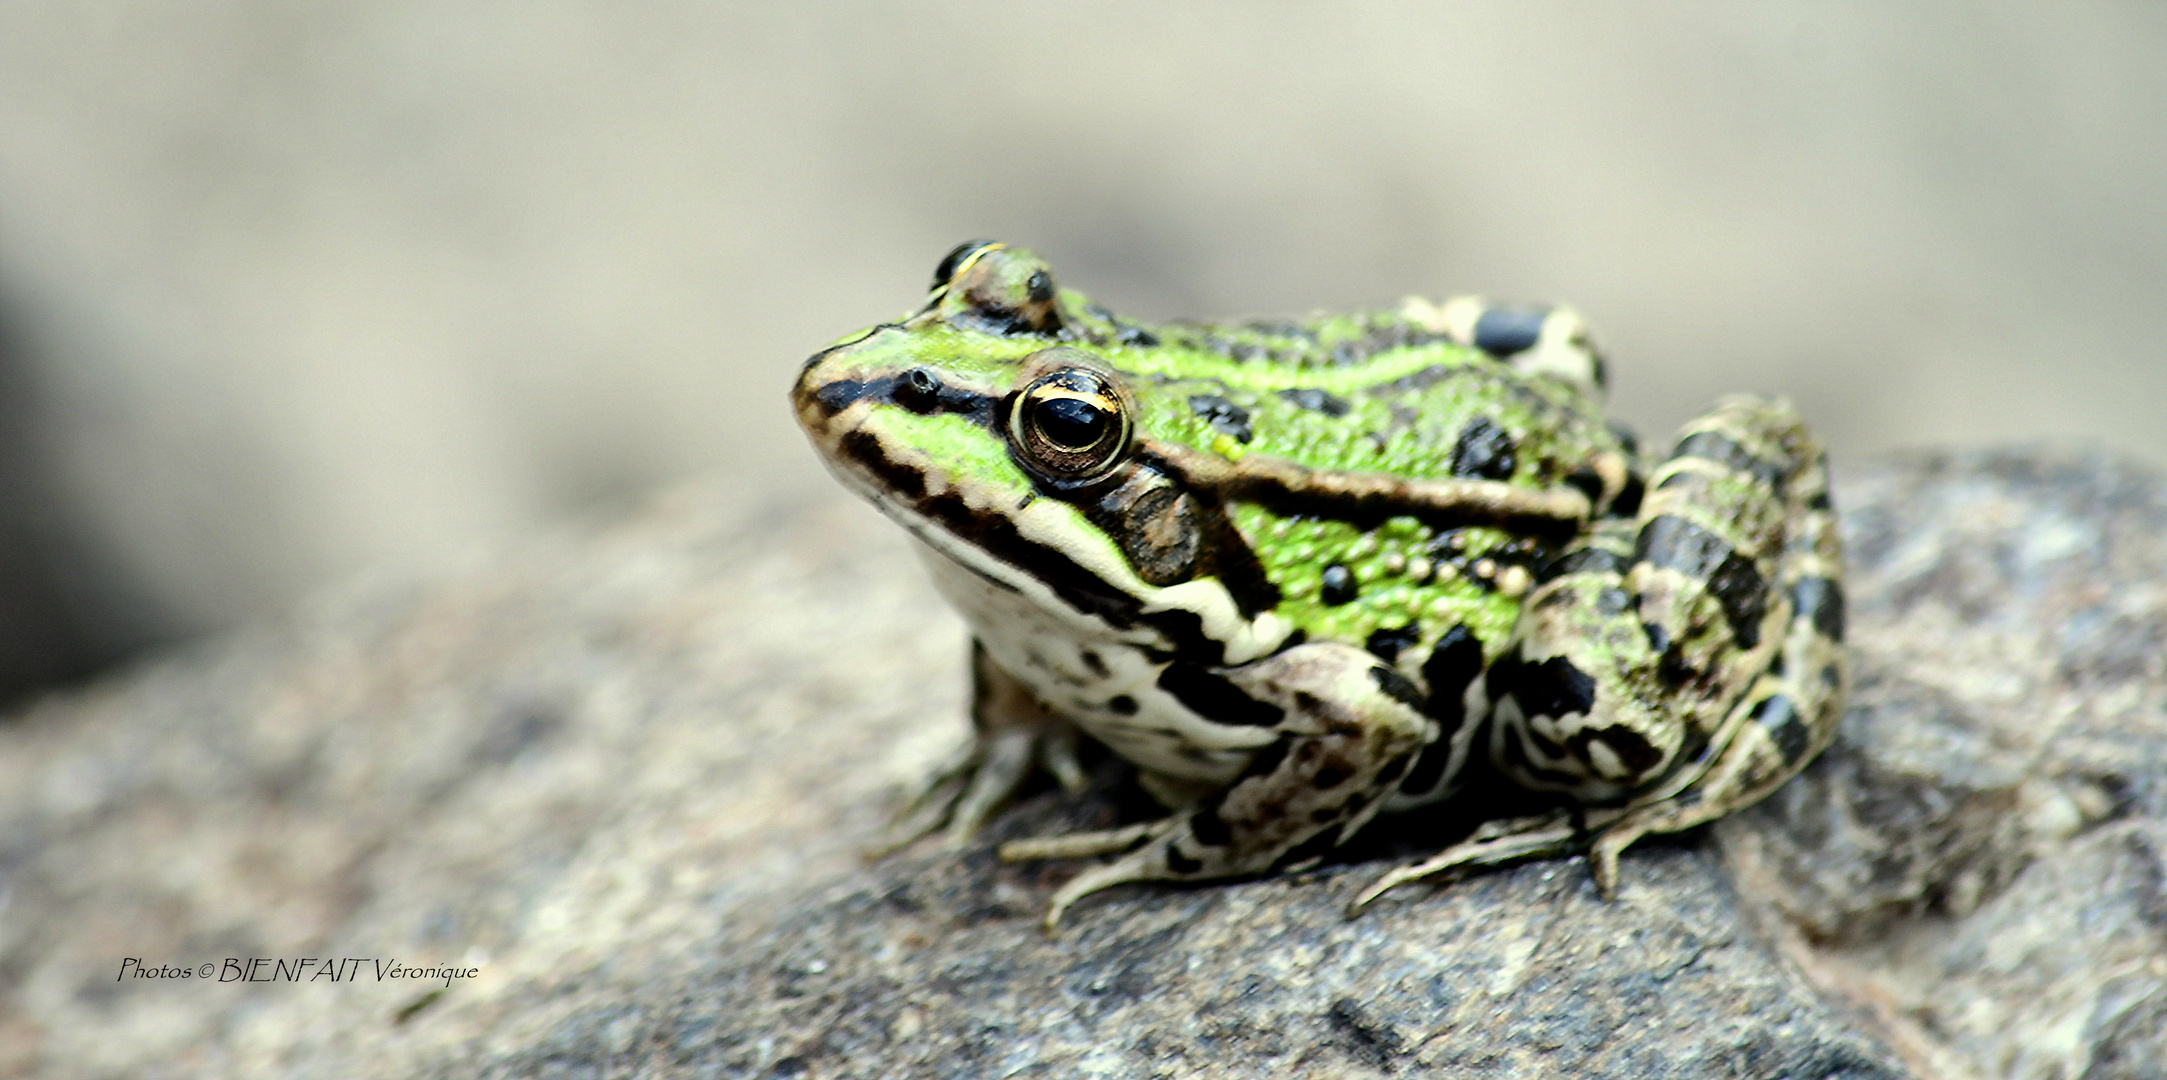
(1308, 573)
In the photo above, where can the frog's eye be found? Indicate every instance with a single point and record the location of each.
(1070, 424)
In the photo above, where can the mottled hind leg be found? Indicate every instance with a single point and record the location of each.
(1013, 736)
(1682, 677)
(1788, 716)
(1348, 727)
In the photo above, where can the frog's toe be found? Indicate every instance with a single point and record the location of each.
(1057, 755)
(1004, 762)
(1082, 845)
(925, 812)
(1603, 859)
(1137, 865)
(1120, 872)
(965, 792)
(1495, 842)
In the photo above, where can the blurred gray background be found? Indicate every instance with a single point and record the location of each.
(293, 289)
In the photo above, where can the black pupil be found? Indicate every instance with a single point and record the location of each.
(1071, 423)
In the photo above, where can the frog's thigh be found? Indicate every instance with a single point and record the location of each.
(1790, 713)
(1349, 727)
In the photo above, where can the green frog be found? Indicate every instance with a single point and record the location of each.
(1303, 573)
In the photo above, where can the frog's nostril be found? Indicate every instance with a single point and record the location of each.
(918, 390)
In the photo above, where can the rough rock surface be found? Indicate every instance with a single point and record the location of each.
(625, 776)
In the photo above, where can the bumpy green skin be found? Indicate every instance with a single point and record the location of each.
(1333, 559)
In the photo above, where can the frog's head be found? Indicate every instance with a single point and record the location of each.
(989, 424)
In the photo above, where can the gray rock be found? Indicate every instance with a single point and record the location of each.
(624, 775)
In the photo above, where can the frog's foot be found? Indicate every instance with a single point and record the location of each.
(1788, 717)
(1015, 736)
(966, 792)
(1348, 728)
(1543, 835)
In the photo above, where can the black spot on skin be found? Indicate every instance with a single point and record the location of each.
(1485, 451)
(1128, 334)
(1453, 664)
(1180, 863)
(1671, 668)
(1658, 638)
(1310, 850)
(1779, 717)
(1330, 776)
(1397, 686)
(1267, 759)
(1388, 642)
(1315, 401)
(1627, 504)
(1224, 416)
(1674, 543)
(1121, 704)
(1744, 596)
(1503, 332)
(1723, 450)
(1216, 699)
(1821, 600)
(1308, 702)
(1209, 828)
(1819, 501)
(1552, 687)
(1338, 585)
(1635, 752)
(1097, 665)
(1830, 677)
(1039, 287)
(1588, 560)
(1588, 482)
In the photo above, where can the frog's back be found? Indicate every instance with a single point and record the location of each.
(1462, 389)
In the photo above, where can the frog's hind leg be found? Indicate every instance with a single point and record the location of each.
(1685, 675)
(1788, 715)
(1348, 727)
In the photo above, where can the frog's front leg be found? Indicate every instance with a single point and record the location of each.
(1677, 667)
(1013, 735)
(1348, 727)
